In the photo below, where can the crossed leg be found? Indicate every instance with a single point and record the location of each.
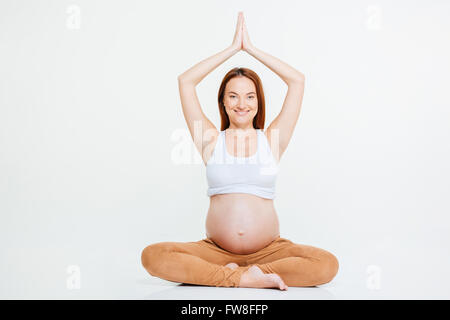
(200, 262)
(298, 265)
(204, 263)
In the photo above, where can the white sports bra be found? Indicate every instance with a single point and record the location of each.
(256, 174)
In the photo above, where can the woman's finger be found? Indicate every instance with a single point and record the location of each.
(239, 23)
(246, 44)
(237, 41)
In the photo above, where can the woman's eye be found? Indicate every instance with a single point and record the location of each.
(232, 96)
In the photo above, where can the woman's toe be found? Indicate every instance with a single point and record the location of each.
(232, 265)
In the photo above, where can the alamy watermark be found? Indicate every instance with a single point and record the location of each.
(74, 279)
(374, 17)
(73, 21)
(184, 152)
(373, 281)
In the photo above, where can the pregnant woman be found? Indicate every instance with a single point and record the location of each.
(243, 247)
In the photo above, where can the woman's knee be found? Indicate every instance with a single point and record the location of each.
(328, 267)
(153, 255)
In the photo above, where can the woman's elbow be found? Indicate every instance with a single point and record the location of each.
(300, 77)
(297, 79)
(185, 80)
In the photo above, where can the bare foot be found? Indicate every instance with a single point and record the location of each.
(232, 265)
(254, 277)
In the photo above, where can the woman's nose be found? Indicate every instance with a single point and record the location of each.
(241, 104)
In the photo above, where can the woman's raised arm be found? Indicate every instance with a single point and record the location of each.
(287, 73)
(195, 74)
(280, 131)
(201, 128)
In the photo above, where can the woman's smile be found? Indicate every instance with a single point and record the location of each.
(242, 113)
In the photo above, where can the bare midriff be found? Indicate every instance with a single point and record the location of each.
(241, 223)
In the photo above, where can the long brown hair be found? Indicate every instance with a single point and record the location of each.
(258, 120)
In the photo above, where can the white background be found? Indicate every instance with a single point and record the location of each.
(89, 108)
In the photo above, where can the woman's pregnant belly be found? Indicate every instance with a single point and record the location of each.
(241, 223)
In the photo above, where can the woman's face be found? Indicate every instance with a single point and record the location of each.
(241, 101)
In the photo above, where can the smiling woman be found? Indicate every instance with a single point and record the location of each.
(241, 98)
(235, 99)
(243, 247)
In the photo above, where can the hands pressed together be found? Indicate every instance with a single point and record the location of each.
(241, 39)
